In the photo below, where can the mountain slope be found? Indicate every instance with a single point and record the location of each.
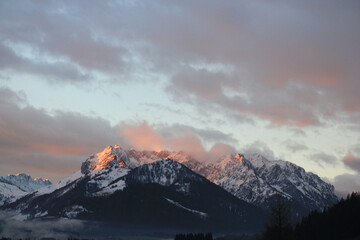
(258, 180)
(163, 194)
(13, 187)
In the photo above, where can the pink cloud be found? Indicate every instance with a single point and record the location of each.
(142, 137)
(352, 161)
(146, 137)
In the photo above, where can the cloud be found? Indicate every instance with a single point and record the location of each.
(324, 158)
(261, 148)
(293, 66)
(295, 146)
(220, 149)
(143, 137)
(54, 145)
(147, 137)
(298, 132)
(346, 183)
(352, 161)
(208, 135)
(64, 133)
(32, 139)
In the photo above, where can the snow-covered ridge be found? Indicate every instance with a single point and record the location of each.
(200, 214)
(166, 173)
(250, 177)
(25, 182)
(128, 158)
(13, 187)
(256, 179)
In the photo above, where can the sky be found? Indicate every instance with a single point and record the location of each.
(207, 77)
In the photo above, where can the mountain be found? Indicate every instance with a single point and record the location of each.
(258, 180)
(158, 195)
(252, 178)
(171, 189)
(13, 187)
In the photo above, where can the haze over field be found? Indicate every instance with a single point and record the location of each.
(279, 78)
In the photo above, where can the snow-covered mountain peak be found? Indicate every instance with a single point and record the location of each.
(239, 157)
(111, 156)
(130, 158)
(230, 161)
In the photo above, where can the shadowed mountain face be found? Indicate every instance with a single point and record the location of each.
(161, 195)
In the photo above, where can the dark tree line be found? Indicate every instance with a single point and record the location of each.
(339, 222)
(191, 236)
(342, 221)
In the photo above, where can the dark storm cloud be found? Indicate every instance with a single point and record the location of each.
(289, 63)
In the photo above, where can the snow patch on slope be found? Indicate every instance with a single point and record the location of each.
(105, 182)
(62, 183)
(200, 214)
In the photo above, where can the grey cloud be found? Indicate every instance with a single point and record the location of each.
(295, 146)
(352, 161)
(293, 63)
(261, 148)
(293, 76)
(53, 146)
(209, 135)
(32, 139)
(60, 31)
(324, 158)
(298, 132)
(346, 184)
(52, 72)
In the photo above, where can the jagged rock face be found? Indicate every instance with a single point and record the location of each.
(257, 180)
(252, 178)
(13, 187)
(166, 173)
